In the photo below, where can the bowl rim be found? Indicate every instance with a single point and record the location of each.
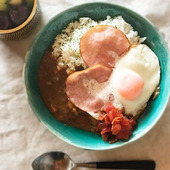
(108, 147)
(8, 31)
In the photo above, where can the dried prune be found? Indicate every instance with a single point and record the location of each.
(18, 14)
(5, 22)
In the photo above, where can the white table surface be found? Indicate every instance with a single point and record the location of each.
(23, 137)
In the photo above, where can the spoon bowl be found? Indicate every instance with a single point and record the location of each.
(53, 161)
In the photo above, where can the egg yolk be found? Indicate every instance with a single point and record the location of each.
(130, 85)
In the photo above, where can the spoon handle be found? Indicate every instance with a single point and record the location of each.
(135, 164)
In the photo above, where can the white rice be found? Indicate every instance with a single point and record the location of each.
(66, 45)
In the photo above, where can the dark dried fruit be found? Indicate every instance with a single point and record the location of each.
(18, 14)
(5, 22)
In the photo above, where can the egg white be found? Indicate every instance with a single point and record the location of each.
(142, 60)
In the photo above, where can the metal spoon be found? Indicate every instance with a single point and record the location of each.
(61, 161)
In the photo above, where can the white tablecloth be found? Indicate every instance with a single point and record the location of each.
(23, 137)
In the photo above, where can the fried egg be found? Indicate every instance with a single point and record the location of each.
(133, 80)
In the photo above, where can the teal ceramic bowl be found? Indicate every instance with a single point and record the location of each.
(96, 11)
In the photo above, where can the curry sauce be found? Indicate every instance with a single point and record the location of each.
(52, 88)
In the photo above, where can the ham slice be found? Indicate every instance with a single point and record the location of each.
(103, 45)
(80, 86)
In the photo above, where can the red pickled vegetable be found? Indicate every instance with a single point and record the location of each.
(116, 129)
(105, 130)
(107, 119)
(114, 124)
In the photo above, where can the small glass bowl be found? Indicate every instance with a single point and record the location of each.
(25, 28)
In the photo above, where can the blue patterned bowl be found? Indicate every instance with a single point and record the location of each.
(96, 11)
